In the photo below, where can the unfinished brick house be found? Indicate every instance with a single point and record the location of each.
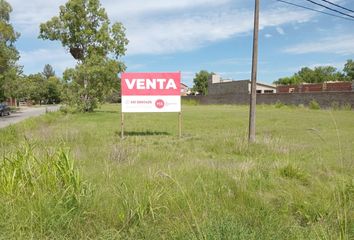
(317, 87)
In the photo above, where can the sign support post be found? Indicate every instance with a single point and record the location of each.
(122, 125)
(151, 92)
(180, 124)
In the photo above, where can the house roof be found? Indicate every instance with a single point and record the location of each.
(184, 85)
(265, 85)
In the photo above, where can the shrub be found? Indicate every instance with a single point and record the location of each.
(66, 109)
(314, 105)
(279, 104)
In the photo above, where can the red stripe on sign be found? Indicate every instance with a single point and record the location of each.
(151, 84)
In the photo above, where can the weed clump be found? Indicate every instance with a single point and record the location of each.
(292, 172)
(279, 104)
(47, 186)
(314, 105)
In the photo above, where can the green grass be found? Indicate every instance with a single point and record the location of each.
(70, 176)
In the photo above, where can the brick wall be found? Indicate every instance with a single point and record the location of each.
(317, 87)
(325, 99)
(339, 86)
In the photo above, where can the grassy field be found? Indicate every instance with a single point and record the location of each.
(69, 176)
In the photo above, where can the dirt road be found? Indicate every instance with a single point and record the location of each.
(25, 113)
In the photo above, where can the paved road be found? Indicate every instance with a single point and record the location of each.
(25, 113)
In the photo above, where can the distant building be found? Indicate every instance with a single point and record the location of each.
(184, 90)
(317, 87)
(219, 86)
(12, 102)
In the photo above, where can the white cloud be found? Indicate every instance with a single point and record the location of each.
(280, 30)
(188, 32)
(154, 26)
(268, 35)
(342, 44)
(338, 65)
(58, 58)
(138, 8)
(27, 15)
(159, 26)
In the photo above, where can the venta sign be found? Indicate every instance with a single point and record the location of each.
(151, 92)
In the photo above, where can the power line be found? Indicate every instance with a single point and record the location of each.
(339, 6)
(331, 9)
(314, 10)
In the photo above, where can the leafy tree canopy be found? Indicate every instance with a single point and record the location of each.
(48, 71)
(96, 67)
(349, 69)
(317, 75)
(39, 89)
(201, 82)
(85, 31)
(9, 70)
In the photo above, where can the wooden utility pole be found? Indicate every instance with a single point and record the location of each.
(253, 98)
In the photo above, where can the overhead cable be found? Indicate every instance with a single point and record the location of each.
(315, 10)
(331, 9)
(339, 6)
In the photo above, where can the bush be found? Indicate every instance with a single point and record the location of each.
(314, 105)
(279, 104)
(67, 109)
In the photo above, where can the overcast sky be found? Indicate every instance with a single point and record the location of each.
(191, 35)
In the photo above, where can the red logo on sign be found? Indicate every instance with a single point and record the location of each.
(159, 103)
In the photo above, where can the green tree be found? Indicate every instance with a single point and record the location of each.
(48, 71)
(9, 70)
(288, 80)
(54, 88)
(201, 82)
(305, 75)
(39, 89)
(349, 69)
(317, 75)
(95, 67)
(326, 74)
(85, 31)
(34, 88)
